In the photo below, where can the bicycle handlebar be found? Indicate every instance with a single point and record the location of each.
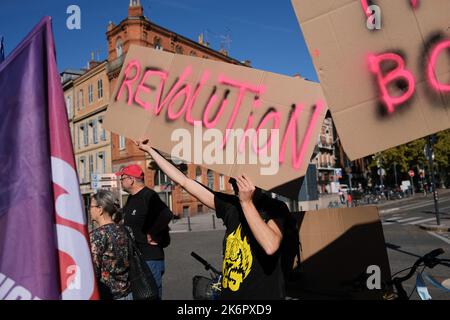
(428, 259)
(433, 254)
(205, 263)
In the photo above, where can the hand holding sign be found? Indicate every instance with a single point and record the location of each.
(246, 188)
(143, 144)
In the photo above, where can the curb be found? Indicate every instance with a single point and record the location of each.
(431, 227)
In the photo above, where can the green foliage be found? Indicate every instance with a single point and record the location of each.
(410, 155)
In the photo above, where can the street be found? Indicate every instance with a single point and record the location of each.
(405, 242)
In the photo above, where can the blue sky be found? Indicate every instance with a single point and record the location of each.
(265, 32)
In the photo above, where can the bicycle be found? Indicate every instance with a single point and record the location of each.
(204, 288)
(429, 260)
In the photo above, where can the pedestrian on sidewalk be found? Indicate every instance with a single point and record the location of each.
(148, 217)
(350, 199)
(254, 230)
(109, 248)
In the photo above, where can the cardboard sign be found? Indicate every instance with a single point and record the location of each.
(384, 67)
(179, 100)
(343, 255)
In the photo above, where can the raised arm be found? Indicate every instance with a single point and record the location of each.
(268, 235)
(196, 189)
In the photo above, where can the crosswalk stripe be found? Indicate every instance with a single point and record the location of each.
(408, 219)
(421, 204)
(392, 218)
(439, 237)
(387, 223)
(421, 221)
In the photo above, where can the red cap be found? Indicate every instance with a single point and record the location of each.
(133, 170)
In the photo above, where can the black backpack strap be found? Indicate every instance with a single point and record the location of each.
(131, 242)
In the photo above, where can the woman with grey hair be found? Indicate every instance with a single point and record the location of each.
(109, 248)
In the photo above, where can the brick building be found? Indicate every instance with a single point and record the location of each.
(138, 30)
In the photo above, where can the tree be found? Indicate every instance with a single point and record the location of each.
(442, 157)
(411, 155)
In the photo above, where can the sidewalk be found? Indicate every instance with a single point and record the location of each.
(199, 222)
(443, 227)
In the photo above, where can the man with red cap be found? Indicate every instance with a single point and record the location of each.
(148, 216)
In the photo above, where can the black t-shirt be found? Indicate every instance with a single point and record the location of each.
(145, 213)
(248, 272)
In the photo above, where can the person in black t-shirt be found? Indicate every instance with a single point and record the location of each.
(254, 230)
(148, 217)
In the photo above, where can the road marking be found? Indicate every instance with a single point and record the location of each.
(422, 221)
(420, 205)
(389, 210)
(439, 237)
(393, 218)
(408, 219)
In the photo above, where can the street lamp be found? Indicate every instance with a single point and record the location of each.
(395, 173)
(429, 154)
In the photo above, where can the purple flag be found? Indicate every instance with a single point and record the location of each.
(2, 50)
(44, 247)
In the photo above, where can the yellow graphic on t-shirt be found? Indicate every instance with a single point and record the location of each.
(237, 262)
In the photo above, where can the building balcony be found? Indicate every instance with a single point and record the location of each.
(328, 167)
(115, 64)
(325, 146)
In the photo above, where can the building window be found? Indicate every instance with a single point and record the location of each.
(221, 182)
(193, 53)
(157, 43)
(85, 135)
(91, 165)
(161, 178)
(179, 50)
(183, 168)
(69, 106)
(121, 143)
(80, 103)
(119, 48)
(90, 94)
(185, 211)
(210, 176)
(198, 174)
(200, 208)
(82, 169)
(100, 89)
(80, 134)
(101, 162)
(93, 124)
(103, 131)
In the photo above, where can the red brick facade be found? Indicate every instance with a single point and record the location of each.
(136, 29)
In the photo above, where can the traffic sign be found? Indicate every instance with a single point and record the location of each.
(103, 177)
(103, 184)
(411, 173)
(103, 181)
